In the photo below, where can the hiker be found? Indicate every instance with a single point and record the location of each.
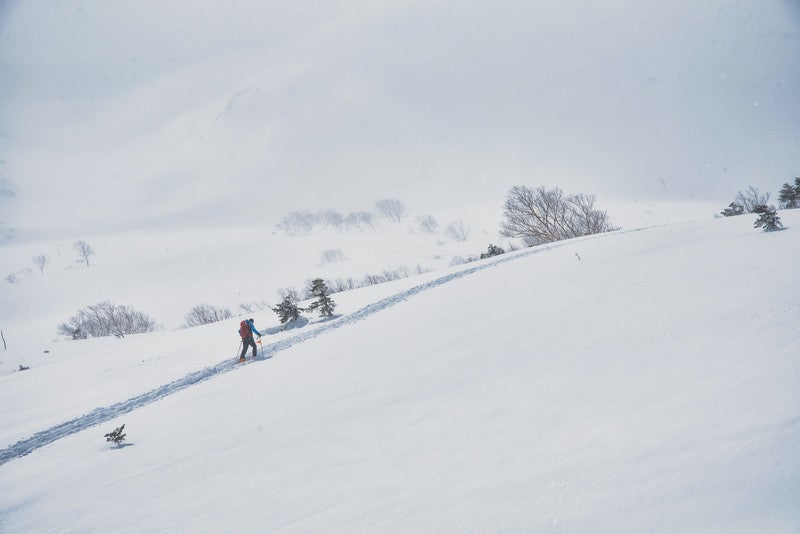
(246, 330)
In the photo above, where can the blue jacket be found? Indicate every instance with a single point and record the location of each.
(253, 328)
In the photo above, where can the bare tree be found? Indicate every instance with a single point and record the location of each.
(106, 319)
(298, 222)
(84, 251)
(360, 220)
(542, 216)
(206, 314)
(40, 261)
(458, 230)
(752, 199)
(392, 209)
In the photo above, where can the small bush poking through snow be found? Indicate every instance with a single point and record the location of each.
(493, 251)
(117, 436)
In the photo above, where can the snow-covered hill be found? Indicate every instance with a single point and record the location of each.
(634, 381)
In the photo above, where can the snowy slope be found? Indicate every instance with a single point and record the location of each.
(650, 385)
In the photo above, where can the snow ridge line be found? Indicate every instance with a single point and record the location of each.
(104, 414)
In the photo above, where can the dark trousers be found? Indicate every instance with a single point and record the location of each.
(248, 342)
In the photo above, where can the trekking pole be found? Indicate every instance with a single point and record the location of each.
(239, 350)
(259, 344)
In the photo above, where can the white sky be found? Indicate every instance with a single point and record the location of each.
(333, 104)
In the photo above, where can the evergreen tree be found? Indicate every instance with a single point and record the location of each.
(117, 436)
(288, 310)
(323, 303)
(789, 196)
(768, 219)
(733, 209)
(494, 250)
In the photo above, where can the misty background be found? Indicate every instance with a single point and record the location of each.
(143, 114)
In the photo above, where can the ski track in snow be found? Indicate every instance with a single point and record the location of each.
(104, 414)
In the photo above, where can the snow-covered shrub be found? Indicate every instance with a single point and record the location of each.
(427, 223)
(492, 251)
(461, 260)
(249, 307)
(107, 319)
(458, 230)
(206, 314)
(343, 284)
(733, 210)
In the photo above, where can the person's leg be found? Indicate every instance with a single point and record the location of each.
(255, 349)
(245, 345)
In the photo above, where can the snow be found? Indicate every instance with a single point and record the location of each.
(642, 380)
(648, 386)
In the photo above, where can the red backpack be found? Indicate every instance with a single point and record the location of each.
(244, 329)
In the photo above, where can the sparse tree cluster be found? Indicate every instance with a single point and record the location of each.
(304, 222)
(751, 200)
(206, 314)
(106, 319)
(289, 311)
(393, 210)
(540, 215)
(754, 201)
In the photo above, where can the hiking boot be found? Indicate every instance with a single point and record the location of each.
(241, 359)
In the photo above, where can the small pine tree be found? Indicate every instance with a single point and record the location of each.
(288, 311)
(494, 250)
(768, 219)
(323, 303)
(117, 436)
(789, 195)
(733, 209)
